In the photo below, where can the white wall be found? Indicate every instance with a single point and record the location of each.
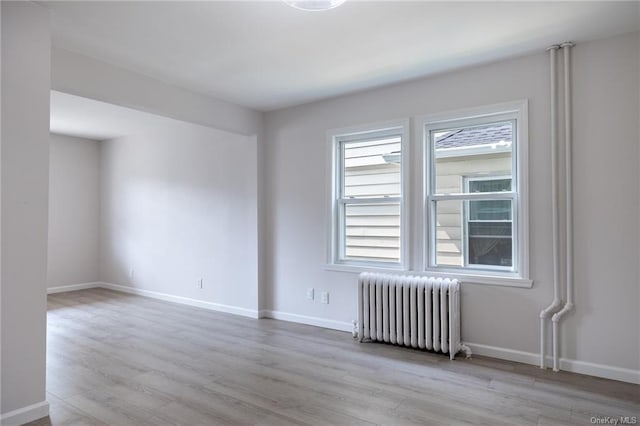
(74, 211)
(90, 78)
(179, 203)
(87, 77)
(26, 44)
(604, 328)
(606, 196)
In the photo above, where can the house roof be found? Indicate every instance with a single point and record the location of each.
(474, 136)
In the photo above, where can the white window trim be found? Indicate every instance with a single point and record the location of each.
(333, 221)
(469, 117)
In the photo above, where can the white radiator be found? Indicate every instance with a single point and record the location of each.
(419, 312)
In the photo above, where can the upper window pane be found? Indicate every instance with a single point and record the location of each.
(372, 168)
(483, 150)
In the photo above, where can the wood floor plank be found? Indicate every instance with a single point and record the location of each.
(121, 359)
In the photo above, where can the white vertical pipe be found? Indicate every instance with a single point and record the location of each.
(568, 113)
(557, 302)
(568, 142)
(555, 198)
(542, 341)
(555, 346)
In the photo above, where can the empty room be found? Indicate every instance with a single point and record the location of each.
(319, 212)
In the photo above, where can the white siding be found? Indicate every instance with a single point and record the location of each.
(373, 230)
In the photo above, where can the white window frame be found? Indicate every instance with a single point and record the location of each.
(335, 256)
(517, 111)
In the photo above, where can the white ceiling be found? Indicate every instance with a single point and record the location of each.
(267, 55)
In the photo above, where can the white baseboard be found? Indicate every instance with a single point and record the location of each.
(73, 287)
(212, 306)
(251, 313)
(25, 414)
(303, 319)
(575, 366)
(571, 365)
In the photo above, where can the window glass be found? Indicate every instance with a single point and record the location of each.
(471, 192)
(369, 200)
(372, 168)
(449, 241)
(372, 231)
(471, 151)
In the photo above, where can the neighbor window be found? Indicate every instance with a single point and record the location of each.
(367, 217)
(488, 224)
(474, 203)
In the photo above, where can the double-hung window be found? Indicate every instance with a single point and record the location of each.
(368, 210)
(468, 201)
(475, 192)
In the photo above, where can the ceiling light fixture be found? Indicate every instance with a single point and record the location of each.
(314, 5)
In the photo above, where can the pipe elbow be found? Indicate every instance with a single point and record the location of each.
(558, 315)
(546, 313)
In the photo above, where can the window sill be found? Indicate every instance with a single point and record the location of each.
(357, 269)
(467, 278)
(495, 280)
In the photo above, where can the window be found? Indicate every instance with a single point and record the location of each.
(468, 202)
(475, 194)
(368, 206)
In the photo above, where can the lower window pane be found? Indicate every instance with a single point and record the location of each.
(462, 240)
(448, 233)
(372, 232)
(490, 242)
(494, 251)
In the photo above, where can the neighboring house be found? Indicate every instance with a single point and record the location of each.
(473, 159)
(372, 169)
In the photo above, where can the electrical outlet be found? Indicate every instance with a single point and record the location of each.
(324, 296)
(310, 293)
(201, 283)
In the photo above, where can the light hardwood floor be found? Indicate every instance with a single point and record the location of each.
(119, 359)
